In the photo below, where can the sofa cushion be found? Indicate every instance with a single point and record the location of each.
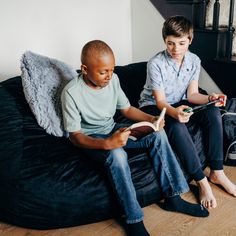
(132, 79)
(46, 182)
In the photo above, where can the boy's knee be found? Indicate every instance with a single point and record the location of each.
(214, 115)
(176, 126)
(159, 136)
(117, 157)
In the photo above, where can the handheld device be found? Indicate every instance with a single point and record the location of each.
(200, 107)
(188, 110)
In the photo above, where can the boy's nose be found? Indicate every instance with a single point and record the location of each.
(175, 48)
(109, 75)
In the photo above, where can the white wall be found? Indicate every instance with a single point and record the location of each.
(146, 30)
(59, 29)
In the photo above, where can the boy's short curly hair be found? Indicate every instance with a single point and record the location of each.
(93, 48)
(177, 26)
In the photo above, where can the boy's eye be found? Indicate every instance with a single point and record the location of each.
(106, 72)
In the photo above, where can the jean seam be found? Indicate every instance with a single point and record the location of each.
(134, 221)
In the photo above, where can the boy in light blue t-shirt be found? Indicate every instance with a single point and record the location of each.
(172, 82)
(89, 104)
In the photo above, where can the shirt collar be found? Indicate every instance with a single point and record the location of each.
(186, 62)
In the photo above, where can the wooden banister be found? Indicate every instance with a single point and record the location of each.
(216, 15)
(231, 30)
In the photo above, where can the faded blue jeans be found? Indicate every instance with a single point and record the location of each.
(168, 172)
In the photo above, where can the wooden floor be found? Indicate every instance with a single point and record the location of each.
(221, 222)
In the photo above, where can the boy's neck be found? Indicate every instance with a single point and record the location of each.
(179, 62)
(90, 84)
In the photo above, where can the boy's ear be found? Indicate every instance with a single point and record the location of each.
(83, 69)
(190, 40)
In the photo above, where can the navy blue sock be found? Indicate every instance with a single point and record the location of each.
(137, 229)
(176, 203)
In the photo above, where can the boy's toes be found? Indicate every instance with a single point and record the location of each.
(209, 203)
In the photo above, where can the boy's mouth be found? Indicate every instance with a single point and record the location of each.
(106, 82)
(176, 54)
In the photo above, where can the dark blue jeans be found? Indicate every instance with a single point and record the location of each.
(166, 167)
(209, 119)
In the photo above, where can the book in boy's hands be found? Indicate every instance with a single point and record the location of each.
(143, 128)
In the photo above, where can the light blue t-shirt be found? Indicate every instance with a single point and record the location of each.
(91, 111)
(163, 73)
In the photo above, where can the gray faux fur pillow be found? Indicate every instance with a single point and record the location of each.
(43, 79)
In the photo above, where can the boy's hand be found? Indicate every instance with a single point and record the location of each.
(119, 138)
(181, 116)
(161, 124)
(215, 96)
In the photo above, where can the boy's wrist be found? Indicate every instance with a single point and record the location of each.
(106, 144)
(209, 98)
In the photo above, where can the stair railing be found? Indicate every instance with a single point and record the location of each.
(202, 13)
(231, 30)
(230, 27)
(216, 15)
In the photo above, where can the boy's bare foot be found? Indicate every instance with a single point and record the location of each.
(207, 198)
(219, 177)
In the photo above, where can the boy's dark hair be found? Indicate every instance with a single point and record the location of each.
(177, 26)
(93, 47)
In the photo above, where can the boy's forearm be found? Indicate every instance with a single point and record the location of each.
(85, 141)
(198, 98)
(170, 110)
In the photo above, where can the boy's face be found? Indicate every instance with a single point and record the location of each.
(177, 46)
(98, 71)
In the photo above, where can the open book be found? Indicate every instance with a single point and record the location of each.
(143, 128)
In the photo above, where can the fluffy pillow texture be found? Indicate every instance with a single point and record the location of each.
(43, 79)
